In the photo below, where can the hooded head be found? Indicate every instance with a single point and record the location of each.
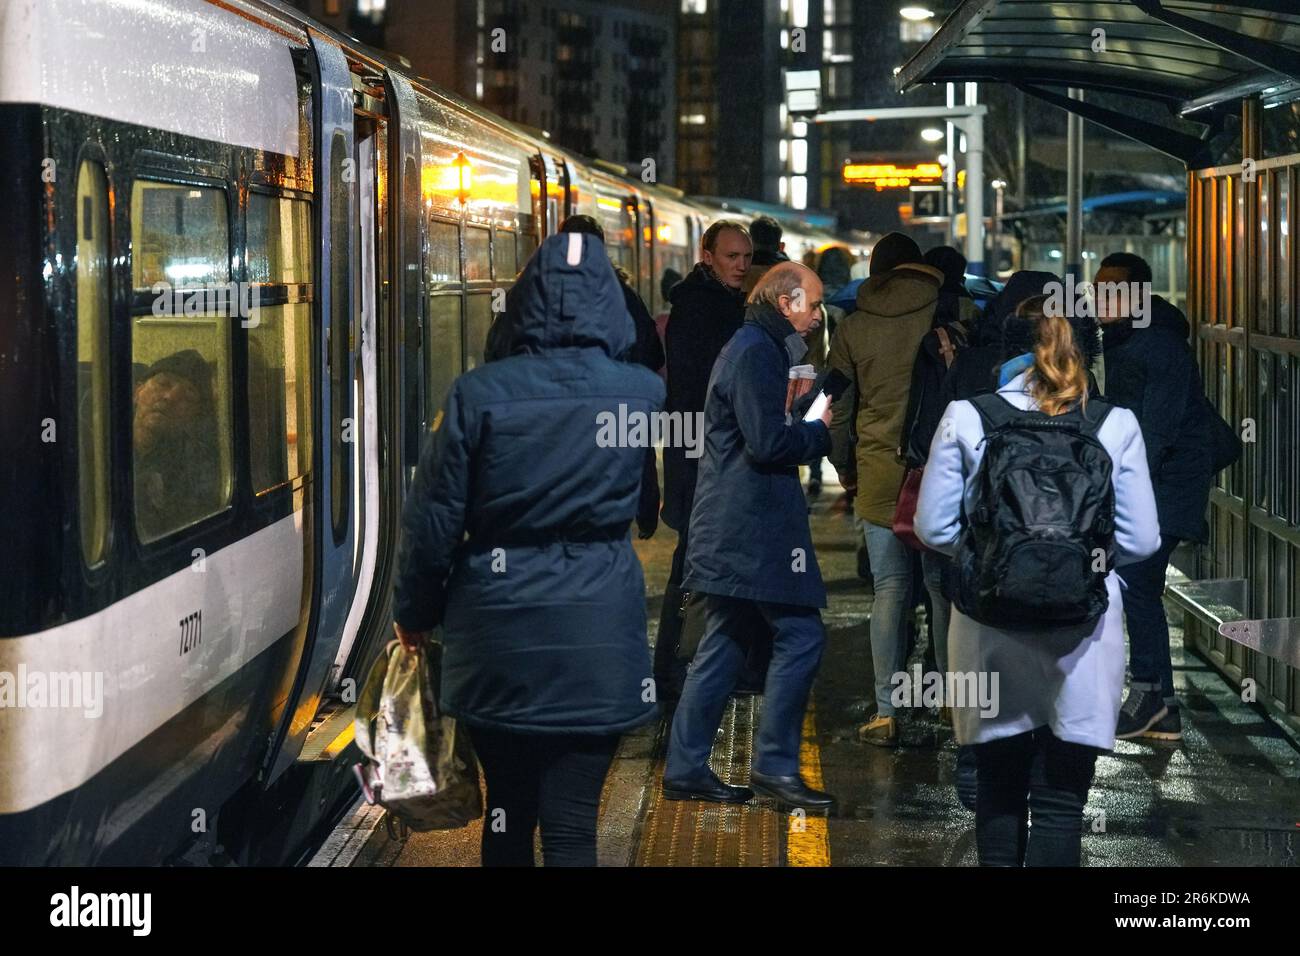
(569, 297)
(1021, 286)
(892, 251)
(953, 266)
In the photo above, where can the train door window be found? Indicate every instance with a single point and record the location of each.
(505, 262)
(279, 407)
(478, 254)
(443, 346)
(340, 348)
(92, 360)
(444, 251)
(180, 352)
(478, 319)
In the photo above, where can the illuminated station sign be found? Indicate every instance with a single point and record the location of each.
(891, 176)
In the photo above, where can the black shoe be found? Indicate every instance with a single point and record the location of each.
(1145, 714)
(710, 789)
(814, 487)
(966, 777)
(790, 791)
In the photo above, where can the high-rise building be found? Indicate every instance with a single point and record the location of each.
(736, 133)
(596, 76)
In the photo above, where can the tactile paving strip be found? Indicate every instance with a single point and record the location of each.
(695, 833)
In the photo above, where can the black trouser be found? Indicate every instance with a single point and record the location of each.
(1148, 629)
(551, 780)
(1038, 775)
(670, 673)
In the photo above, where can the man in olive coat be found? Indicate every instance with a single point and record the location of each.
(875, 347)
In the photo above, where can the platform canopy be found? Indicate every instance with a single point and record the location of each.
(1193, 59)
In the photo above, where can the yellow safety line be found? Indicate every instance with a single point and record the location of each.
(808, 840)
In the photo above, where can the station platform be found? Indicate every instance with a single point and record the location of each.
(1227, 794)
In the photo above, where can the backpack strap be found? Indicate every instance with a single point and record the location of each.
(996, 412)
(952, 336)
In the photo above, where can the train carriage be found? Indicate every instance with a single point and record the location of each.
(242, 268)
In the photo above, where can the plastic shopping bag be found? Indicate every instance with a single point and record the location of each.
(420, 766)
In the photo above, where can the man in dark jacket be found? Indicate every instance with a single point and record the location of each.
(708, 307)
(1151, 371)
(751, 546)
(515, 541)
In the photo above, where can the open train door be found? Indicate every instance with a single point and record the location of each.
(343, 378)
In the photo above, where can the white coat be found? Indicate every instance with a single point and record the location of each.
(1069, 679)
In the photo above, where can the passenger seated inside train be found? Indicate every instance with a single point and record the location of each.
(174, 437)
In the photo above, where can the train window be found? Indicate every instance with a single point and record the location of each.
(279, 410)
(505, 261)
(92, 360)
(181, 424)
(444, 251)
(478, 319)
(179, 235)
(527, 237)
(478, 257)
(442, 351)
(279, 240)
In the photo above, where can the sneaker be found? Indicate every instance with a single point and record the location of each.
(880, 732)
(1143, 710)
(1168, 727)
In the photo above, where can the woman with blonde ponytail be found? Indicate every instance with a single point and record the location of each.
(1050, 694)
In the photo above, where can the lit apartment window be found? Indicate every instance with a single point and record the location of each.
(799, 156)
(799, 192)
(915, 31)
(695, 6)
(800, 13)
(783, 188)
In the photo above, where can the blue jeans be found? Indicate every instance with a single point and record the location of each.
(797, 641)
(891, 570)
(932, 565)
(1144, 615)
(1037, 778)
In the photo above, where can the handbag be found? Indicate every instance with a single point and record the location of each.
(910, 491)
(905, 509)
(420, 765)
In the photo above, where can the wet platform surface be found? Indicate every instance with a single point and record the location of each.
(1228, 793)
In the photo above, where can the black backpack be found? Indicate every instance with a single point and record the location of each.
(1039, 519)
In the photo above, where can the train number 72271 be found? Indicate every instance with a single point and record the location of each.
(191, 631)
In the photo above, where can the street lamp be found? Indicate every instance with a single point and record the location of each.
(915, 14)
(931, 135)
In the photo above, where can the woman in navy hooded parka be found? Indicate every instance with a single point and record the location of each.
(515, 541)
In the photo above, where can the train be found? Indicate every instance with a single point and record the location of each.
(245, 258)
